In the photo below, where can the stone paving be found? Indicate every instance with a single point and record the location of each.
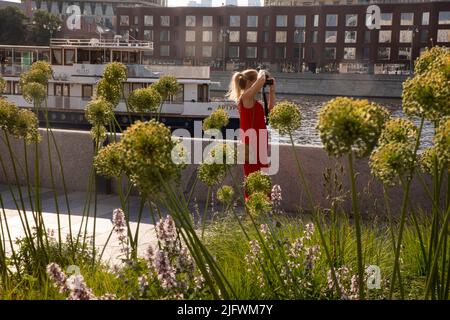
(103, 226)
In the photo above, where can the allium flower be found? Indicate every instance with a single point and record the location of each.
(442, 141)
(26, 126)
(147, 155)
(258, 204)
(211, 173)
(115, 72)
(144, 100)
(40, 72)
(346, 123)
(392, 160)
(109, 160)
(427, 95)
(110, 92)
(225, 194)
(285, 117)
(166, 86)
(257, 182)
(2, 85)
(34, 92)
(99, 133)
(58, 277)
(399, 130)
(431, 58)
(8, 114)
(427, 158)
(99, 112)
(218, 119)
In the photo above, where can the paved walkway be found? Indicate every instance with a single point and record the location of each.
(103, 226)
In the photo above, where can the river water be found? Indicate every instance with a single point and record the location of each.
(310, 106)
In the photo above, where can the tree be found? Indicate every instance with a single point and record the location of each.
(43, 27)
(13, 27)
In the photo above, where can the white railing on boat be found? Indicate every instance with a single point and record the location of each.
(103, 43)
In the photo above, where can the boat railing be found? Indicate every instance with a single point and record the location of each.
(13, 69)
(103, 43)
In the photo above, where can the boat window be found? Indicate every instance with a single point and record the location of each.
(56, 56)
(179, 96)
(134, 57)
(126, 90)
(116, 56)
(8, 86)
(202, 93)
(86, 91)
(69, 57)
(16, 88)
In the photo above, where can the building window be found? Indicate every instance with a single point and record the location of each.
(444, 17)
(351, 20)
(148, 35)
(350, 36)
(189, 51)
(280, 52)
(386, 19)
(265, 53)
(165, 21)
(299, 36)
(148, 21)
(349, 53)
(443, 35)
(404, 53)
(280, 36)
(207, 21)
(252, 36)
(252, 21)
(190, 21)
(424, 36)
(384, 36)
(316, 20)
(207, 51)
(164, 35)
(164, 50)
(300, 21)
(234, 36)
(207, 36)
(281, 21)
(265, 36)
(405, 36)
(384, 53)
(136, 20)
(332, 20)
(61, 90)
(366, 53)
(367, 36)
(330, 36)
(407, 18)
(86, 91)
(124, 21)
(233, 51)
(330, 53)
(190, 35)
(425, 18)
(252, 52)
(315, 36)
(235, 21)
(266, 21)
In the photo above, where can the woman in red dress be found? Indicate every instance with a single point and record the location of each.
(244, 87)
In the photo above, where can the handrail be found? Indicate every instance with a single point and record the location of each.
(96, 43)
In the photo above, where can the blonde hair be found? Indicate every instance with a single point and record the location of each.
(239, 82)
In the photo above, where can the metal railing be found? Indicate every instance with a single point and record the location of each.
(104, 43)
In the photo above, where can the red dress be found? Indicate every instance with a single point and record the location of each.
(254, 118)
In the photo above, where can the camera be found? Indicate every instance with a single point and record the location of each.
(268, 82)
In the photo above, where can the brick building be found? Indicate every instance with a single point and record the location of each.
(331, 38)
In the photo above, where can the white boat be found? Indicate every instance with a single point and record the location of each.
(78, 65)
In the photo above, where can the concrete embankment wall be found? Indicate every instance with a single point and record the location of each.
(356, 85)
(76, 149)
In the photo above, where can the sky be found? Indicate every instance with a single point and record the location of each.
(175, 3)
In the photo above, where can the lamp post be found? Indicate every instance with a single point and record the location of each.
(223, 34)
(300, 36)
(414, 30)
